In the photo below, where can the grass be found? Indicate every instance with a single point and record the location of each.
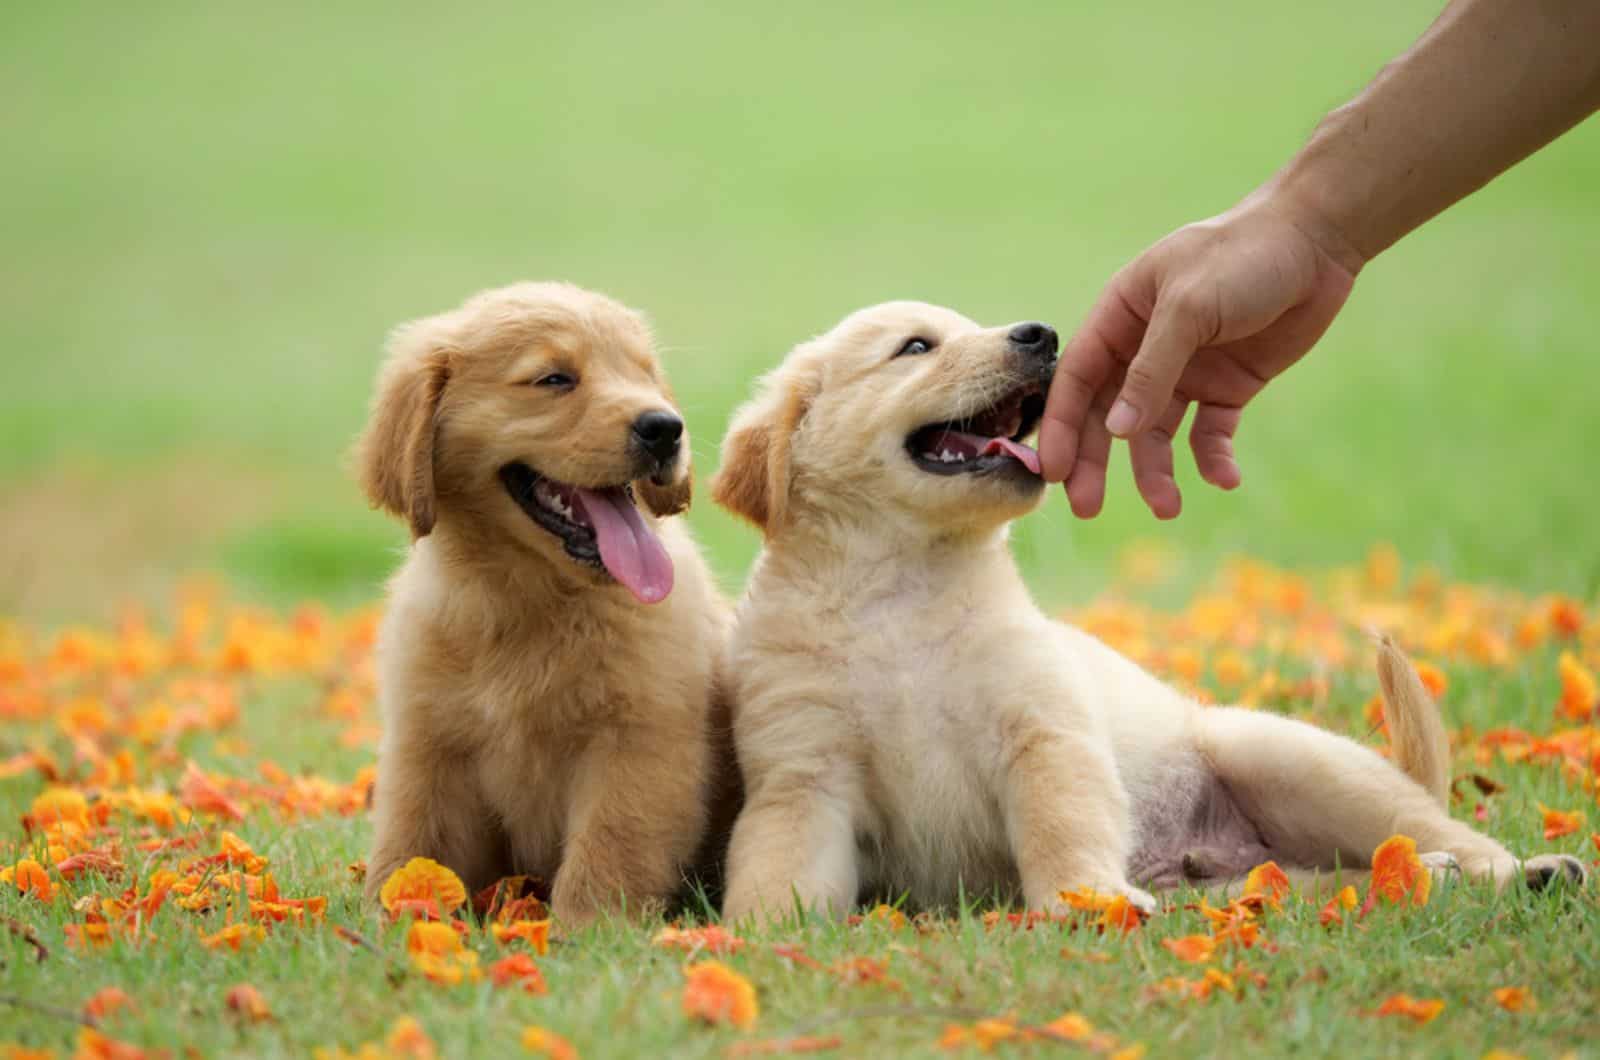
(301, 682)
(213, 213)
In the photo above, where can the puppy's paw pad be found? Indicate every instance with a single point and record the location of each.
(1547, 869)
(1441, 865)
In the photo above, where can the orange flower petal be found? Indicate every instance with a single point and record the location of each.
(106, 1002)
(234, 937)
(1398, 875)
(711, 939)
(1514, 998)
(56, 806)
(434, 937)
(1558, 823)
(785, 1046)
(536, 933)
(547, 1043)
(1580, 692)
(1267, 880)
(32, 879)
(423, 880)
(406, 1038)
(520, 970)
(715, 993)
(1565, 616)
(1433, 678)
(1196, 949)
(246, 1002)
(92, 1045)
(1332, 913)
(203, 795)
(1420, 1010)
(855, 971)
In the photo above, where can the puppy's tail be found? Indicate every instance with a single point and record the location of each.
(1421, 746)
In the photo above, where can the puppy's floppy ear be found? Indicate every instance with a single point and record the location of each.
(753, 481)
(394, 456)
(672, 496)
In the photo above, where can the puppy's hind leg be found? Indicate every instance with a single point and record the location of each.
(1319, 799)
(793, 842)
(1422, 751)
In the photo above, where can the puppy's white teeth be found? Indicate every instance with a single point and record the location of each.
(552, 501)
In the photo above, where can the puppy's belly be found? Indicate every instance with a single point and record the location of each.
(935, 833)
(1189, 827)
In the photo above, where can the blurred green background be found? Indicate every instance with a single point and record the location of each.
(212, 213)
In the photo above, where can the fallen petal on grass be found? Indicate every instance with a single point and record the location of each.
(1398, 875)
(423, 884)
(709, 939)
(784, 1046)
(518, 970)
(1195, 949)
(246, 1002)
(1414, 1009)
(548, 1044)
(1514, 998)
(1558, 823)
(106, 1002)
(715, 993)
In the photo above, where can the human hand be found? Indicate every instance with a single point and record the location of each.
(1207, 316)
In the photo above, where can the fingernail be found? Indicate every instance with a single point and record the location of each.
(1124, 417)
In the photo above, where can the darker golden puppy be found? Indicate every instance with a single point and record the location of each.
(547, 663)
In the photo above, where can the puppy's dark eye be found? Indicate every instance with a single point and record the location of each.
(914, 347)
(557, 380)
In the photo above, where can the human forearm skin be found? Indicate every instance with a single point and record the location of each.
(1489, 83)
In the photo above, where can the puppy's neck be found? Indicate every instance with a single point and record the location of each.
(874, 547)
(529, 588)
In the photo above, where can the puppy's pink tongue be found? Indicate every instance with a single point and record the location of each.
(628, 548)
(1028, 457)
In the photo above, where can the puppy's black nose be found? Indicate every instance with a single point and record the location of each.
(1034, 340)
(659, 434)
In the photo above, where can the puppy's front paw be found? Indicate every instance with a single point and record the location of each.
(1062, 904)
(1547, 869)
(1441, 865)
(1143, 901)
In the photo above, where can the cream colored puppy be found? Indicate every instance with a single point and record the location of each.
(547, 662)
(907, 720)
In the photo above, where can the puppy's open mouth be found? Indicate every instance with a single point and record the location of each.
(985, 441)
(601, 528)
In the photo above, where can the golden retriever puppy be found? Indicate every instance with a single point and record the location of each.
(547, 661)
(909, 722)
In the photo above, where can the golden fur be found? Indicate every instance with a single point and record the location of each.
(908, 721)
(537, 718)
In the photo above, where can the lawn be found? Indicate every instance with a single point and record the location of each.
(143, 753)
(213, 214)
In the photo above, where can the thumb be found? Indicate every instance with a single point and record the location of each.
(1175, 332)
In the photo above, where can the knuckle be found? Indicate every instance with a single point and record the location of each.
(1144, 375)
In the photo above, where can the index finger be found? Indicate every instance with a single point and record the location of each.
(1109, 335)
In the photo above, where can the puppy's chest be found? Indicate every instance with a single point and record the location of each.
(930, 750)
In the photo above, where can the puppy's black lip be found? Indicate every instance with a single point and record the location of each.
(579, 541)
